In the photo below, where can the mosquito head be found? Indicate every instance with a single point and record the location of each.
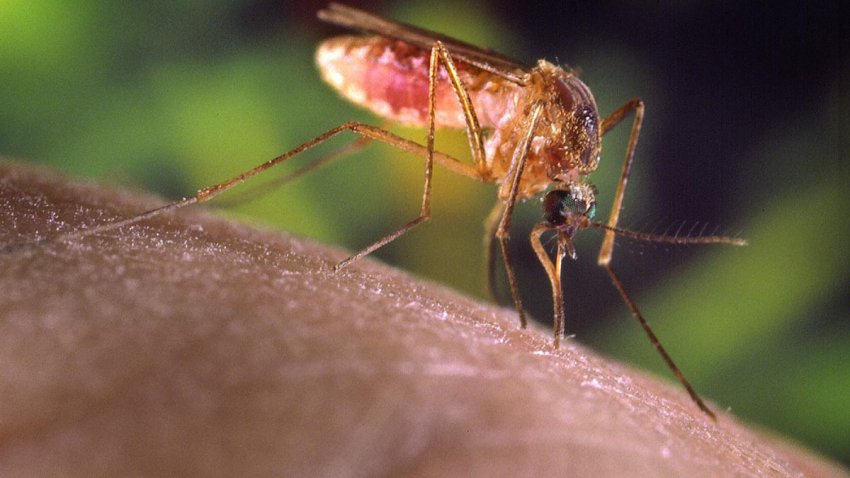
(571, 207)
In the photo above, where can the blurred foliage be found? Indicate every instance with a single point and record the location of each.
(174, 96)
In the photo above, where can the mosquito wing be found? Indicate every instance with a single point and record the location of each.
(487, 60)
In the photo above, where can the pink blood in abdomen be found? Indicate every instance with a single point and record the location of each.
(391, 79)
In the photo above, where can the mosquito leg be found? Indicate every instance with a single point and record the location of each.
(635, 105)
(439, 55)
(490, 226)
(655, 343)
(425, 210)
(210, 192)
(607, 248)
(509, 192)
(473, 129)
(553, 270)
(260, 190)
(476, 146)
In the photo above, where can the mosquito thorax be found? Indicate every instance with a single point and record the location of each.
(573, 123)
(570, 206)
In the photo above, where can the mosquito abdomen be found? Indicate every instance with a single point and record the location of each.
(390, 78)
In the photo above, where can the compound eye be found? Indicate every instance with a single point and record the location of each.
(556, 207)
(559, 205)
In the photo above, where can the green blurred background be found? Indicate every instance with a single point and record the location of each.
(746, 129)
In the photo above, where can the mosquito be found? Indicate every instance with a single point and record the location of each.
(532, 130)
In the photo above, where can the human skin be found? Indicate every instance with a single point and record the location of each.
(189, 345)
